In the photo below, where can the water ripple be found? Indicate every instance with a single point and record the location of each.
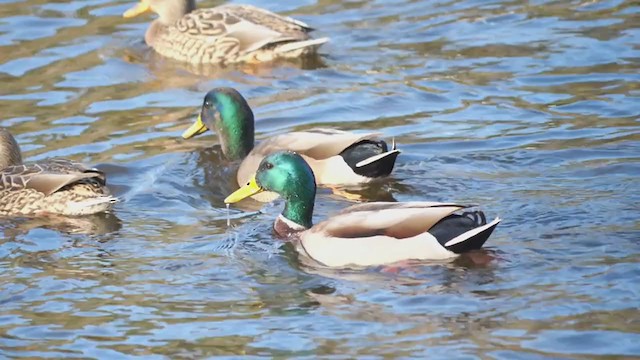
(528, 108)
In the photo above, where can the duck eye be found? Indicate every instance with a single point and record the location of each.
(268, 166)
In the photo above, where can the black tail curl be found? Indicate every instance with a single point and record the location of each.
(365, 149)
(455, 225)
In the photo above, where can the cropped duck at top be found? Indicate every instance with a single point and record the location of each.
(366, 234)
(223, 34)
(336, 157)
(55, 186)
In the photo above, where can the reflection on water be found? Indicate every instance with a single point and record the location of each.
(527, 108)
(104, 223)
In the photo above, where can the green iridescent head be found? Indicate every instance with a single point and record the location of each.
(289, 175)
(226, 112)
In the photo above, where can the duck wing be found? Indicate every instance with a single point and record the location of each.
(382, 233)
(47, 177)
(229, 32)
(314, 144)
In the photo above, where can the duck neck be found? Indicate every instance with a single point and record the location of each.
(286, 228)
(9, 150)
(235, 128)
(300, 212)
(174, 11)
(236, 143)
(299, 206)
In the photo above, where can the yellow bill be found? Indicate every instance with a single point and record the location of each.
(196, 129)
(244, 192)
(142, 7)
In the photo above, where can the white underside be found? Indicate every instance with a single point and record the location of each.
(90, 206)
(292, 46)
(373, 250)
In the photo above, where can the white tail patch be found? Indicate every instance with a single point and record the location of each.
(292, 46)
(375, 158)
(98, 200)
(471, 233)
(91, 206)
(299, 23)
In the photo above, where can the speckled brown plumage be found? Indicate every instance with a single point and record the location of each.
(226, 34)
(54, 186)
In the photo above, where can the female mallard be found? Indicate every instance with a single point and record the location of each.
(56, 186)
(336, 157)
(224, 34)
(366, 234)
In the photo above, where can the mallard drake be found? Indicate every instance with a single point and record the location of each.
(366, 234)
(336, 157)
(56, 186)
(223, 34)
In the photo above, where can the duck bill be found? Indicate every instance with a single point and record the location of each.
(197, 128)
(142, 7)
(244, 192)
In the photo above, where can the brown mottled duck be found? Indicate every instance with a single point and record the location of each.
(56, 186)
(223, 34)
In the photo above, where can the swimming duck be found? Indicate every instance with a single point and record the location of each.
(365, 234)
(56, 186)
(336, 157)
(223, 34)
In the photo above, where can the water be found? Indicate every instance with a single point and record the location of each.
(527, 108)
